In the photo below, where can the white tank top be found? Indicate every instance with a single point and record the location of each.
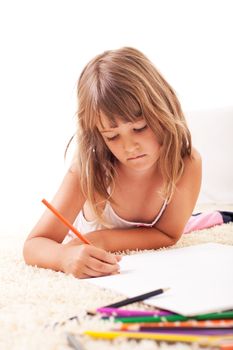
(84, 226)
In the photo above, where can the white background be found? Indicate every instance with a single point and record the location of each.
(44, 46)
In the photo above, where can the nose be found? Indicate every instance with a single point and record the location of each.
(130, 145)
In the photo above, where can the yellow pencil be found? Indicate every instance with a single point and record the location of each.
(204, 340)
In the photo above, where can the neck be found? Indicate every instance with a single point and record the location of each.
(138, 175)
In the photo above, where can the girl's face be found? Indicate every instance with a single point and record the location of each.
(133, 143)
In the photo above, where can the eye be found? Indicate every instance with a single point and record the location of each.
(112, 138)
(141, 129)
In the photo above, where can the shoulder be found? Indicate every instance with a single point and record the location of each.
(192, 167)
(74, 168)
(183, 200)
(188, 186)
(194, 159)
(190, 181)
(68, 200)
(72, 180)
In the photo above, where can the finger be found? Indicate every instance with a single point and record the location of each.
(102, 255)
(93, 273)
(118, 257)
(116, 273)
(78, 270)
(80, 274)
(83, 275)
(101, 267)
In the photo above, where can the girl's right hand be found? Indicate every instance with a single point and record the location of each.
(85, 261)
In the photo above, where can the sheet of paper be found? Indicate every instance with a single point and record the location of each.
(200, 278)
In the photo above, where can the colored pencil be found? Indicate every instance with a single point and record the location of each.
(137, 298)
(191, 331)
(180, 330)
(174, 318)
(204, 340)
(65, 222)
(112, 311)
(187, 324)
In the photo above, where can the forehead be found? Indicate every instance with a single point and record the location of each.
(105, 123)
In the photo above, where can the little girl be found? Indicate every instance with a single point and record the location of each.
(135, 178)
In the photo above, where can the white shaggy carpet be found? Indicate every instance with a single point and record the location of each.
(32, 300)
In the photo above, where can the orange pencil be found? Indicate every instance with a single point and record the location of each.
(65, 222)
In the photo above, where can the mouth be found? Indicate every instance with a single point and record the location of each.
(137, 157)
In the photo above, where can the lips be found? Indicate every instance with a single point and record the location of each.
(137, 157)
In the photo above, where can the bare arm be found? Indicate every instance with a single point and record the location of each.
(171, 225)
(114, 240)
(44, 247)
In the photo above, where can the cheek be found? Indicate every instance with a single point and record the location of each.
(111, 147)
(153, 140)
(157, 149)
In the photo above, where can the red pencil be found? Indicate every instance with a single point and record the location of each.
(65, 222)
(178, 324)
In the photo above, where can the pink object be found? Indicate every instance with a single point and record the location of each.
(202, 221)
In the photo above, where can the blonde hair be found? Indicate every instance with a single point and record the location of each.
(124, 83)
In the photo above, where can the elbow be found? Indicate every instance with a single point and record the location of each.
(175, 238)
(172, 239)
(27, 252)
(169, 242)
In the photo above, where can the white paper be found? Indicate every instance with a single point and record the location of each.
(200, 278)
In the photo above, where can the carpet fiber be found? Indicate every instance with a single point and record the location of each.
(36, 303)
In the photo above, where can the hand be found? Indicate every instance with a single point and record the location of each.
(85, 261)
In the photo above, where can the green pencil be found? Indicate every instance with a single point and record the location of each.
(174, 318)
